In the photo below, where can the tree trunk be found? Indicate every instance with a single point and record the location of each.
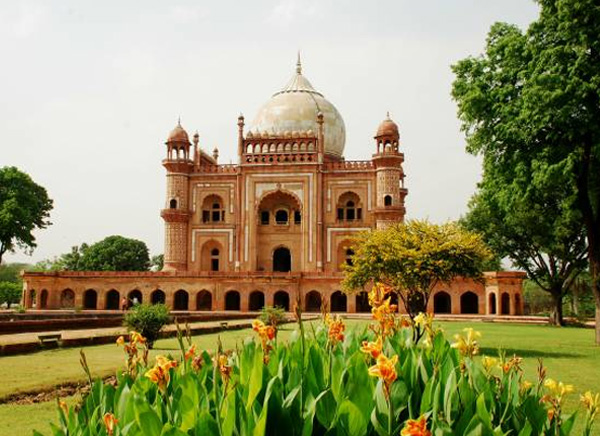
(556, 317)
(595, 273)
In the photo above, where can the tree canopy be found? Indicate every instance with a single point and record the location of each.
(531, 101)
(413, 257)
(24, 207)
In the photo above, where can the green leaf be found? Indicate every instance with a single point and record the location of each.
(146, 418)
(352, 419)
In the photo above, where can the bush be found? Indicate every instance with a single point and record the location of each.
(272, 315)
(148, 320)
(10, 293)
(327, 382)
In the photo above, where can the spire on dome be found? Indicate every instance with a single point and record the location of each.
(298, 64)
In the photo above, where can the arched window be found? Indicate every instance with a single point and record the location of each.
(387, 200)
(173, 204)
(349, 207)
(349, 254)
(213, 210)
(282, 260)
(214, 259)
(297, 217)
(264, 217)
(158, 297)
(281, 217)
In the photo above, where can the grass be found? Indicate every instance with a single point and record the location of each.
(568, 353)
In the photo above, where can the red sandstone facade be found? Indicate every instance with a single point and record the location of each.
(274, 228)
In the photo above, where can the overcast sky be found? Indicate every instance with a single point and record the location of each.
(90, 89)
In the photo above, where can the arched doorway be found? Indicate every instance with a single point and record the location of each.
(90, 299)
(134, 297)
(282, 299)
(492, 302)
(44, 299)
(232, 300)
(282, 260)
(181, 300)
(204, 300)
(257, 300)
(362, 302)
(505, 303)
(442, 303)
(338, 302)
(469, 303)
(158, 297)
(313, 302)
(67, 299)
(32, 298)
(112, 300)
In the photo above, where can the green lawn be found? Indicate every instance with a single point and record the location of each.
(568, 353)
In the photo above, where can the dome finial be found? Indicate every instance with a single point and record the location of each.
(388, 115)
(179, 120)
(299, 64)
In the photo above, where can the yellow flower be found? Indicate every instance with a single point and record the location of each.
(526, 385)
(420, 320)
(224, 368)
(158, 375)
(416, 427)
(165, 363)
(385, 369)
(467, 345)
(136, 338)
(257, 324)
(120, 341)
(558, 389)
(489, 363)
(110, 422)
(378, 293)
(592, 403)
(63, 406)
(372, 348)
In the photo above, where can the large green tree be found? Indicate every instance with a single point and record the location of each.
(533, 225)
(115, 253)
(24, 207)
(413, 257)
(534, 97)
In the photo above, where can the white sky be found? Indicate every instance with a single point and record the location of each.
(90, 89)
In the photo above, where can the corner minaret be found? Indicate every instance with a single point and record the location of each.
(390, 175)
(177, 212)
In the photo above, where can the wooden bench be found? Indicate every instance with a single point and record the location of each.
(50, 338)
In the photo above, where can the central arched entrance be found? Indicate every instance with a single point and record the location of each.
(282, 260)
(90, 299)
(181, 300)
(442, 303)
(469, 303)
(112, 300)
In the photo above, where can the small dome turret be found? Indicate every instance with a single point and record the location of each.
(178, 134)
(388, 128)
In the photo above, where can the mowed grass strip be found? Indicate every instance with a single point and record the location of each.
(569, 355)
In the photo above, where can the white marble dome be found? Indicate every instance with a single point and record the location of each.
(295, 109)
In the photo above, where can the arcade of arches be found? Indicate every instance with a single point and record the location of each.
(502, 297)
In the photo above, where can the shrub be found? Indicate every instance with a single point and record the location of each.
(368, 381)
(10, 293)
(147, 320)
(272, 315)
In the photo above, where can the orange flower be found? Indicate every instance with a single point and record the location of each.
(385, 369)
(63, 406)
(158, 375)
(372, 348)
(110, 422)
(136, 338)
(165, 363)
(190, 353)
(120, 341)
(416, 427)
(270, 332)
(257, 324)
(336, 330)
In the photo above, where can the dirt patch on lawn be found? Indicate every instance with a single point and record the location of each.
(52, 393)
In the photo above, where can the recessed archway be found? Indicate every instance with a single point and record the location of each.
(313, 301)
(492, 302)
(112, 300)
(282, 260)
(442, 303)
(204, 300)
(282, 299)
(469, 303)
(339, 302)
(362, 302)
(181, 300)
(44, 299)
(505, 304)
(32, 298)
(518, 304)
(257, 300)
(90, 299)
(158, 297)
(232, 300)
(67, 299)
(134, 297)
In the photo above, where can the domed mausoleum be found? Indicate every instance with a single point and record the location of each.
(274, 228)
